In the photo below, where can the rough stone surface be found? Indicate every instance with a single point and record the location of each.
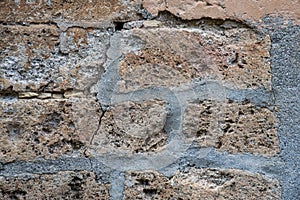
(200, 184)
(62, 185)
(42, 11)
(171, 57)
(232, 9)
(32, 129)
(39, 58)
(230, 126)
(132, 127)
(199, 99)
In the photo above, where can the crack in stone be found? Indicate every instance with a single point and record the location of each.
(99, 125)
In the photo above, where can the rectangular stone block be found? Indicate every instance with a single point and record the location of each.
(62, 185)
(171, 57)
(207, 184)
(44, 11)
(231, 126)
(31, 129)
(132, 127)
(41, 58)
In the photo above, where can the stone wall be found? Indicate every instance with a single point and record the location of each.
(152, 99)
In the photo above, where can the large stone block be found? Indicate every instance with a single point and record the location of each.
(42, 11)
(231, 126)
(171, 57)
(207, 184)
(132, 127)
(62, 185)
(250, 10)
(40, 58)
(31, 129)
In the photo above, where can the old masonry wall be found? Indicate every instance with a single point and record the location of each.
(152, 99)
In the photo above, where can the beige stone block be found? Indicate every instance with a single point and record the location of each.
(207, 184)
(31, 129)
(226, 9)
(230, 126)
(41, 11)
(132, 127)
(172, 57)
(62, 185)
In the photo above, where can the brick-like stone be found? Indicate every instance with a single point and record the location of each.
(171, 57)
(40, 58)
(132, 127)
(231, 126)
(225, 9)
(62, 185)
(207, 184)
(31, 129)
(41, 11)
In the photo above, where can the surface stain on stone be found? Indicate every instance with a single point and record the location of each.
(39, 58)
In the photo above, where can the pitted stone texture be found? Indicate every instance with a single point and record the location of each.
(41, 11)
(132, 127)
(230, 126)
(200, 184)
(171, 57)
(225, 9)
(32, 59)
(31, 129)
(62, 185)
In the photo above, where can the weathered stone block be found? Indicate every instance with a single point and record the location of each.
(200, 184)
(171, 57)
(62, 185)
(31, 129)
(225, 9)
(43, 11)
(230, 126)
(40, 58)
(132, 127)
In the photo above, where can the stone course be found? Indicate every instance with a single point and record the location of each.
(151, 99)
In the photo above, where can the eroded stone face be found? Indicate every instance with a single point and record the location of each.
(225, 9)
(132, 127)
(62, 185)
(31, 129)
(85, 10)
(200, 184)
(31, 58)
(171, 57)
(230, 126)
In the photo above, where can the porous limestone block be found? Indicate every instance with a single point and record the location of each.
(41, 11)
(231, 126)
(61, 185)
(132, 127)
(34, 128)
(171, 57)
(41, 58)
(207, 184)
(241, 10)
